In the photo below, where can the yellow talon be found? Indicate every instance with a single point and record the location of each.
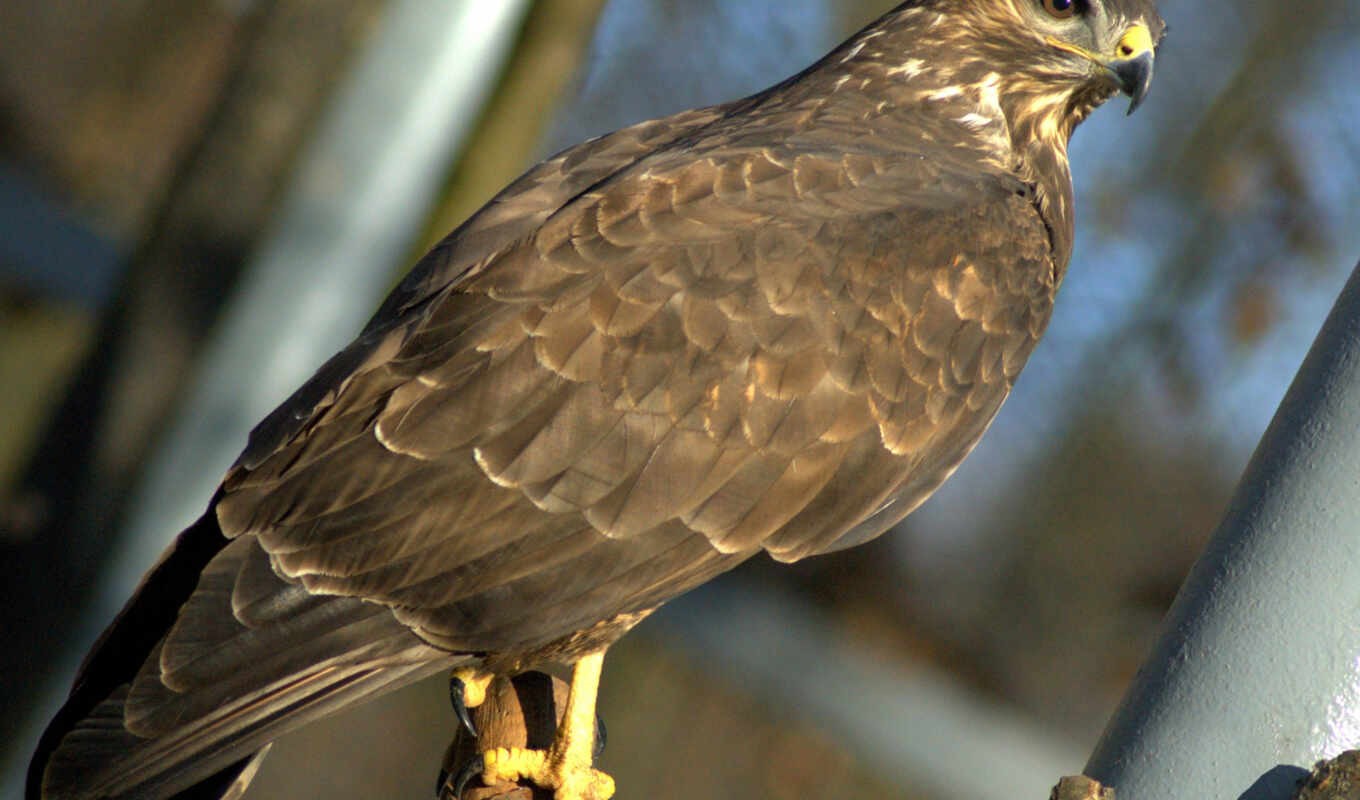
(566, 766)
(569, 782)
(475, 682)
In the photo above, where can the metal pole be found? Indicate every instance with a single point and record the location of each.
(1257, 673)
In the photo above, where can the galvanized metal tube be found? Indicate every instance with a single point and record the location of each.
(1257, 673)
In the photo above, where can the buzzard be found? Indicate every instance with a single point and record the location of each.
(772, 325)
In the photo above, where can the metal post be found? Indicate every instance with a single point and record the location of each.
(1257, 673)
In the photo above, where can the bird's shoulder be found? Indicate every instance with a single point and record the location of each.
(707, 323)
(513, 213)
(732, 318)
(721, 155)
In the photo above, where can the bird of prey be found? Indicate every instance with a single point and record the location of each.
(772, 325)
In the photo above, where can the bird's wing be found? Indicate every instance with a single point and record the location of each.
(215, 654)
(249, 657)
(711, 351)
(518, 209)
(514, 213)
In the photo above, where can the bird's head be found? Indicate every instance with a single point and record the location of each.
(1053, 62)
(1092, 48)
(1009, 80)
(995, 82)
(1063, 58)
(1046, 63)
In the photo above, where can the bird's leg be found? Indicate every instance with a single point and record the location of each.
(567, 766)
(467, 689)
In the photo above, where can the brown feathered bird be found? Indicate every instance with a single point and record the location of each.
(776, 324)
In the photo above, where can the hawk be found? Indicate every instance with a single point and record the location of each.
(773, 325)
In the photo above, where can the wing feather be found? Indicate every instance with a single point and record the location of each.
(686, 367)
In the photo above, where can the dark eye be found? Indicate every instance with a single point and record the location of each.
(1061, 9)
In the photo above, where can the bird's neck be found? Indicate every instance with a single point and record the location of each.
(913, 67)
(1040, 126)
(966, 114)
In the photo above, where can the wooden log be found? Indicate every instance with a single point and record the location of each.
(523, 711)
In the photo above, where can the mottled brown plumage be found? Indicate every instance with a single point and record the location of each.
(772, 325)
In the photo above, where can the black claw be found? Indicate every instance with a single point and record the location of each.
(600, 735)
(457, 696)
(473, 768)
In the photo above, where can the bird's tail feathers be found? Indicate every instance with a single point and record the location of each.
(213, 658)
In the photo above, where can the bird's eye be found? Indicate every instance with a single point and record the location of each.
(1060, 9)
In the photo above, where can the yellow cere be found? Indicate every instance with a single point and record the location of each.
(1135, 40)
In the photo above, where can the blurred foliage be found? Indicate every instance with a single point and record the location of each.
(1241, 208)
(511, 132)
(42, 343)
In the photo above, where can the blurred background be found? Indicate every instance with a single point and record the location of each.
(200, 201)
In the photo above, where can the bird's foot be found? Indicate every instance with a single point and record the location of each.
(566, 767)
(467, 689)
(569, 775)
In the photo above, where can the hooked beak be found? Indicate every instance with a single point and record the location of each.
(1132, 66)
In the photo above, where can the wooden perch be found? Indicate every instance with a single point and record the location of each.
(523, 711)
(1337, 779)
(1080, 787)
